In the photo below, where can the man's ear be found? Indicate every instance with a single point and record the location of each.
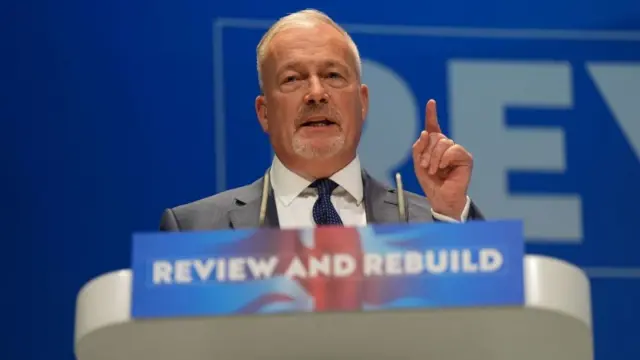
(364, 99)
(261, 112)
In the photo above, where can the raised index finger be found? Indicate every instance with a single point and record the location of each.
(431, 124)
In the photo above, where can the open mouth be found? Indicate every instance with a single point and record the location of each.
(318, 123)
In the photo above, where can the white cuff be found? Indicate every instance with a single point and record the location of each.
(463, 217)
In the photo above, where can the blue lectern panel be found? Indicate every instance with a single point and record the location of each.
(328, 269)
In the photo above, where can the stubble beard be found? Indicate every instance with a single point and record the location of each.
(311, 149)
(306, 148)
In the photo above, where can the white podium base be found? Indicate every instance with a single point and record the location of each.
(554, 324)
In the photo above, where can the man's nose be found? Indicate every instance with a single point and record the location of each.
(317, 93)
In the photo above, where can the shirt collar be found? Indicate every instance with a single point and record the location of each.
(288, 185)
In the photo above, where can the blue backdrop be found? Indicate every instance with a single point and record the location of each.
(113, 111)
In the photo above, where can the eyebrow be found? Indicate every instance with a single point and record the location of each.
(289, 65)
(327, 63)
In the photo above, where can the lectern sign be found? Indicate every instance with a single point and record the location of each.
(381, 267)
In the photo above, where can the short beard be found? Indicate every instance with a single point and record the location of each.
(305, 149)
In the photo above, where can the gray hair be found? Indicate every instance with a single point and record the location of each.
(301, 19)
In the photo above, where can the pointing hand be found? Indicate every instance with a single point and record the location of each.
(443, 168)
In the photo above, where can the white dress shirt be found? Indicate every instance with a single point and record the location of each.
(295, 199)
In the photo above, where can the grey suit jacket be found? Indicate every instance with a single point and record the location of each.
(240, 207)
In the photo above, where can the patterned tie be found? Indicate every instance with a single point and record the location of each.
(324, 213)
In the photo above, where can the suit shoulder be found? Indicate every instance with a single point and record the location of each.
(210, 212)
(221, 201)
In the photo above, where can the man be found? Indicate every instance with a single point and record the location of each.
(313, 107)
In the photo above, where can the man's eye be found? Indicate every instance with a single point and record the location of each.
(334, 75)
(290, 79)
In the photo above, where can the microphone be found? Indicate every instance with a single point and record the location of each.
(263, 200)
(402, 214)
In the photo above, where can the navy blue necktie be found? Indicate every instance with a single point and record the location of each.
(324, 213)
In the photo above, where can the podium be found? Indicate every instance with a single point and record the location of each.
(116, 319)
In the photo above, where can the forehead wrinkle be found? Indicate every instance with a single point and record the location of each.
(319, 39)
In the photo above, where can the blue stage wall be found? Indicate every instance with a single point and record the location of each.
(112, 111)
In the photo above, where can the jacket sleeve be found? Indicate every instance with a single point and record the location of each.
(169, 222)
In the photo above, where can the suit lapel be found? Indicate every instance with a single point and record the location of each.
(246, 208)
(271, 219)
(381, 203)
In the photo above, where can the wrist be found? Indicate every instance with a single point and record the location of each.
(453, 209)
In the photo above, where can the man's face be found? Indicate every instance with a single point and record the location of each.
(313, 106)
